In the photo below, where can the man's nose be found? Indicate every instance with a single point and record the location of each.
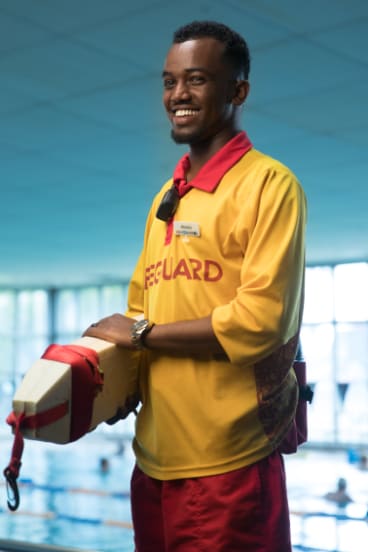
(181, 91)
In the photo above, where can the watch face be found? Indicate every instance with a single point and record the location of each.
(140, 325)
(139, 329)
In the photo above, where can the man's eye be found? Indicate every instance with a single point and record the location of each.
(197, 79)
(168, 83)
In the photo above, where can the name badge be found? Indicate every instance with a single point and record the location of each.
(186, 228)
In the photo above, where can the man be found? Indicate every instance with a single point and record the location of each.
(340, 496)
(220, 286)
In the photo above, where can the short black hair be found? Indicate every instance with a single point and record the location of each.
(236, 49)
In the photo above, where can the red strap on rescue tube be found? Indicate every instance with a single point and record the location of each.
(40, 419)
(86, 382)
(33, 421)
(11, 472)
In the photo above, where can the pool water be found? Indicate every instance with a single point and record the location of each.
(68, 500)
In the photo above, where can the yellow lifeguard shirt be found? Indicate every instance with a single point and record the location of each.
(235, 253)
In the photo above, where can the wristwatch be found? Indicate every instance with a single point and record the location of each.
(138, 332)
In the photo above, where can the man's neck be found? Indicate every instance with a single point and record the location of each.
(201, 152)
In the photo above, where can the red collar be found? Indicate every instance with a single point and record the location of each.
(212, 172)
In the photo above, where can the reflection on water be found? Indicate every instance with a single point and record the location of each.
(317, 523)
(68, 500)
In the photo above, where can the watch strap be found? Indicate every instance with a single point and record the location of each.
(139, 331)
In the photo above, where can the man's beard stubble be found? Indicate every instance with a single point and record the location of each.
(178, 139)
(193, 138)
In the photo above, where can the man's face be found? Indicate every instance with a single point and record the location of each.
(198, 85)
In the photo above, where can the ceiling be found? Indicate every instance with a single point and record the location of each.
(84, 141)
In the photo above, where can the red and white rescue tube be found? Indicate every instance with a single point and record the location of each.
(69, 392)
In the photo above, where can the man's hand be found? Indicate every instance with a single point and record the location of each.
(115, 328)
(181, 338)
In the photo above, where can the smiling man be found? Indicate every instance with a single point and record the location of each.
(198, 83)
(219, 290)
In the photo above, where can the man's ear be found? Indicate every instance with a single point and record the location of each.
(240, 92)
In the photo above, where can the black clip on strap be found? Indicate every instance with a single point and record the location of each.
(12, 490)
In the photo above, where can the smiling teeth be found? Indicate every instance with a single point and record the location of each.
(185, 112)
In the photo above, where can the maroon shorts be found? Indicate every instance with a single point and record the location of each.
(245, 510)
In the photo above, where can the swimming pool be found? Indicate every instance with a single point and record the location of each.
(68, 500)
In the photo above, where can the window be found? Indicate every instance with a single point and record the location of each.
(351, 297)
(76, 309)
(24, 336)
(335, 344)
(334, 341)
(318, 305)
